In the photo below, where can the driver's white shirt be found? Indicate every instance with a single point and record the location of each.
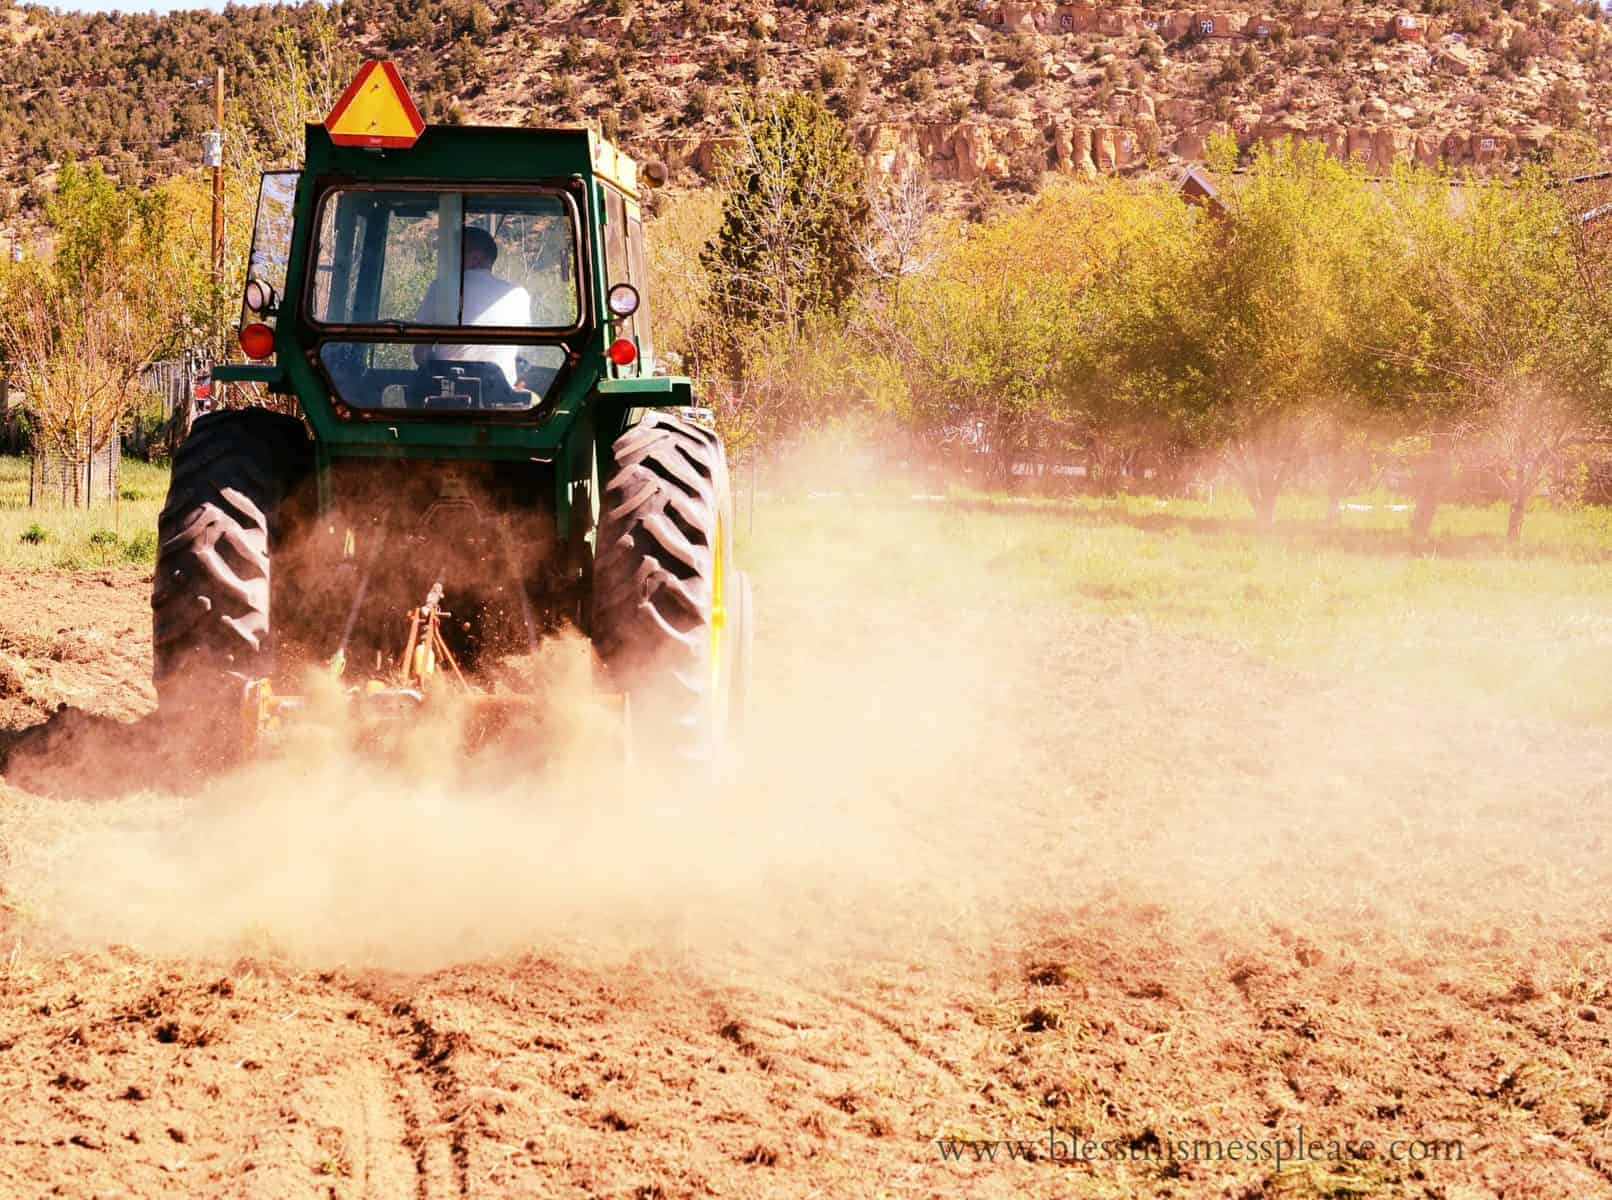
(488, 300)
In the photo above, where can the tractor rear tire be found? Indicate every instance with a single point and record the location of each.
(661, 577)
(210, 629)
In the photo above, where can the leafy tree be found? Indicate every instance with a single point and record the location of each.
(79, 330)
(94, 220)
(1140, 373)
(295, 81)
(1505, 339)
(986, 340)
(792, 211)
(1234, 332)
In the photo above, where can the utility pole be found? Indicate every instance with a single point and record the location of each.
(218, 182)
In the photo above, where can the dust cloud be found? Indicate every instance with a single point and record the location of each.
(938, 753)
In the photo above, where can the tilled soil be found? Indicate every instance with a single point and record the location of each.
(1035, 876)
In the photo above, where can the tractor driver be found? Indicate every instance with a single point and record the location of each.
(487, 300)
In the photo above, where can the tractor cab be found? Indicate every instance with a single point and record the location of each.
(422, 277)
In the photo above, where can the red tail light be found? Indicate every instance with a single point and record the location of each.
(257, 340)
(622, 352)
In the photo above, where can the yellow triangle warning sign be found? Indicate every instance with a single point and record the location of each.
(375, 110)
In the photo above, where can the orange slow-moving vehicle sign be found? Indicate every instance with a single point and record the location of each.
(375, 110)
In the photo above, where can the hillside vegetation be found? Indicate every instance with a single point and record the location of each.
(981, 92)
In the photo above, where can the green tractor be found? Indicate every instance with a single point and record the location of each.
(465, 450)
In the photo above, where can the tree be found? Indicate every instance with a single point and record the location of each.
(93, 219)
(792, 211)
(1233, 331)
(1288, 262)
(1139, 375)
(894, 243)
(1504, 334)
(79, 331)
(297, 80)
(294, 82)
(987, 341)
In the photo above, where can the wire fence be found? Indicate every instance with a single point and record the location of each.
(169, 388)
(74, 475)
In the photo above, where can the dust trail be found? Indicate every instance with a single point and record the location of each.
(420, 858)
(938, 752)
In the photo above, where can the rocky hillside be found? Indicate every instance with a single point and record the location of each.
(990, 93)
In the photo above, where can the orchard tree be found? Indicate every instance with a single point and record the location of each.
(1140, 374)
(1280, 285)
(1231, 330)
(987, 341)
(1505, 336)
(79, 331)
(897, 242)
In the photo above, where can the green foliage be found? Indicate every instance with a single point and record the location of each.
(141, 548)
(93, 219)
(793, 205)
(34, 535)
(1312, 327)
(986, 338)
(103, 544)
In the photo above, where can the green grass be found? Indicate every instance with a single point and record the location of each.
(1528, 628)
(104, 535)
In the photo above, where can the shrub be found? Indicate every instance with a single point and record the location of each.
(698, 101)
(142, 548)
(34, 535)
(833, 71)
(1031, 73)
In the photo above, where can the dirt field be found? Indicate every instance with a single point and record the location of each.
(1008, 898)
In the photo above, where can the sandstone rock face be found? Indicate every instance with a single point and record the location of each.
(891, 148)
(1190, 146)
(1220, 23)
(705, 156)
(977, 148)
(1083, 163)
(1179, 111)
(1491, 148)
(1071, 146)
(1388, 146)
(974, 155)
(1014, 17)
(1074, 18)
(1175, 25)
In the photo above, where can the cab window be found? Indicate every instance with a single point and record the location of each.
(446, 258)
